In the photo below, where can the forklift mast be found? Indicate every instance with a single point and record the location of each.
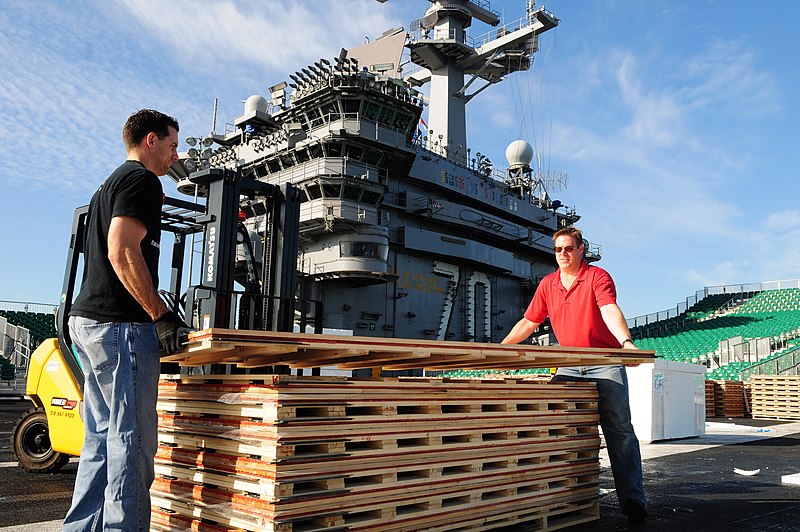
(268, 300)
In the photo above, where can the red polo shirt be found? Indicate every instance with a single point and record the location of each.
(575, 313)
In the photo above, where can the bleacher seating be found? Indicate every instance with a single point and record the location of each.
(494, 373)
(772, 314)
(694, 336)
(41, 325)
(713, 303)
(7, 370)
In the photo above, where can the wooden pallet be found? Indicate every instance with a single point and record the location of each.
(280, 452)
(711, 409)
(729, 398)
(415, 511)
(264, 348)
(775, 396)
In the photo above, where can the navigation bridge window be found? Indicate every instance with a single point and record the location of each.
(347, 191)
(388, 115)
(367, 250)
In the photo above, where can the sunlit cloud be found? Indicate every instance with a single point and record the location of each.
(273, 34)
(727, 76)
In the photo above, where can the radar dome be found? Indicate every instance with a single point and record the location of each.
(519, 153)
(255, 103)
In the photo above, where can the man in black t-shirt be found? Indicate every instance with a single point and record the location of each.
(118, 325)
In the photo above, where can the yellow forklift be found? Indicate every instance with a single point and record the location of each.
(46, 437)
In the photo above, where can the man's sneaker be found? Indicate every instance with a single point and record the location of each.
(635, 511)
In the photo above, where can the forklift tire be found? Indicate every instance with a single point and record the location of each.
(30, 442)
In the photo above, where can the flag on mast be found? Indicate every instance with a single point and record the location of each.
(422, 129)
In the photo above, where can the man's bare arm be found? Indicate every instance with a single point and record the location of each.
(523, 329)
(125, 235)
(615, 321)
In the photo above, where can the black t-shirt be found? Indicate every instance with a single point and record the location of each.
(131, 190)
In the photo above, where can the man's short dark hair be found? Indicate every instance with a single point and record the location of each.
(145, 121)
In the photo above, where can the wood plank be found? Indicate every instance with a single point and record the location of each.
(229, 345)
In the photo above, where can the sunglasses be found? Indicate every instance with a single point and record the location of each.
(568, 249)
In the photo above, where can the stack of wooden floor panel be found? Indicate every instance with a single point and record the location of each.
(775, 396)
(729, 399)
(284, 453)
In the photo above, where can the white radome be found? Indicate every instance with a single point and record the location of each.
(519, 153)
(255, 103)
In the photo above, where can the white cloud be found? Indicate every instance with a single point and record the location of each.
(656, 115)
(785, 220)
(65, 94)
(273, 34)
(726, 75)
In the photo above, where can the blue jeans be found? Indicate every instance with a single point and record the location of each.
(615, 419)
(121, 364)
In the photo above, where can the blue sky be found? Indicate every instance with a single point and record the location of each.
(674, 120)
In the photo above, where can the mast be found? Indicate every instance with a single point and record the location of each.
(440, 45)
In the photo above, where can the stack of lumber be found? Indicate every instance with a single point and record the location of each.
(729, 398)
(288, 453)
(775, 396)
(711, 409)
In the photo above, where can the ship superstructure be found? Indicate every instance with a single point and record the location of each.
(403, 232)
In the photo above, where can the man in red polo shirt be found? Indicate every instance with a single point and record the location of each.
(581, 301)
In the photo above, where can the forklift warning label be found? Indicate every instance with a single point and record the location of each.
(66, 404)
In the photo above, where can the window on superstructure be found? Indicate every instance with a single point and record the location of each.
(302, 155)
(287, 161)
(386, 116)
(333, 150)
(367, 250)
(330, 111)
(274, 166)
(314, 191)
(355, 152)
(331, 190)
(373, 157)
(351, 192)
(371, 110)
(370, 197)
(314, 117)
(402, 121)
(315, 150)
(351, 106)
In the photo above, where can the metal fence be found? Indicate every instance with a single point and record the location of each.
(21, 306)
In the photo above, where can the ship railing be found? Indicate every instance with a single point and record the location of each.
(594, 250)
(749, 287)
(439, 34)
(21, 306)
(486, 5)
(334, 167)
(309, 267)
(382, 133)
(419, 34)
(357, 124)
(498, 32)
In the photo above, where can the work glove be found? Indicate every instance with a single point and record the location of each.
(169, 328)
